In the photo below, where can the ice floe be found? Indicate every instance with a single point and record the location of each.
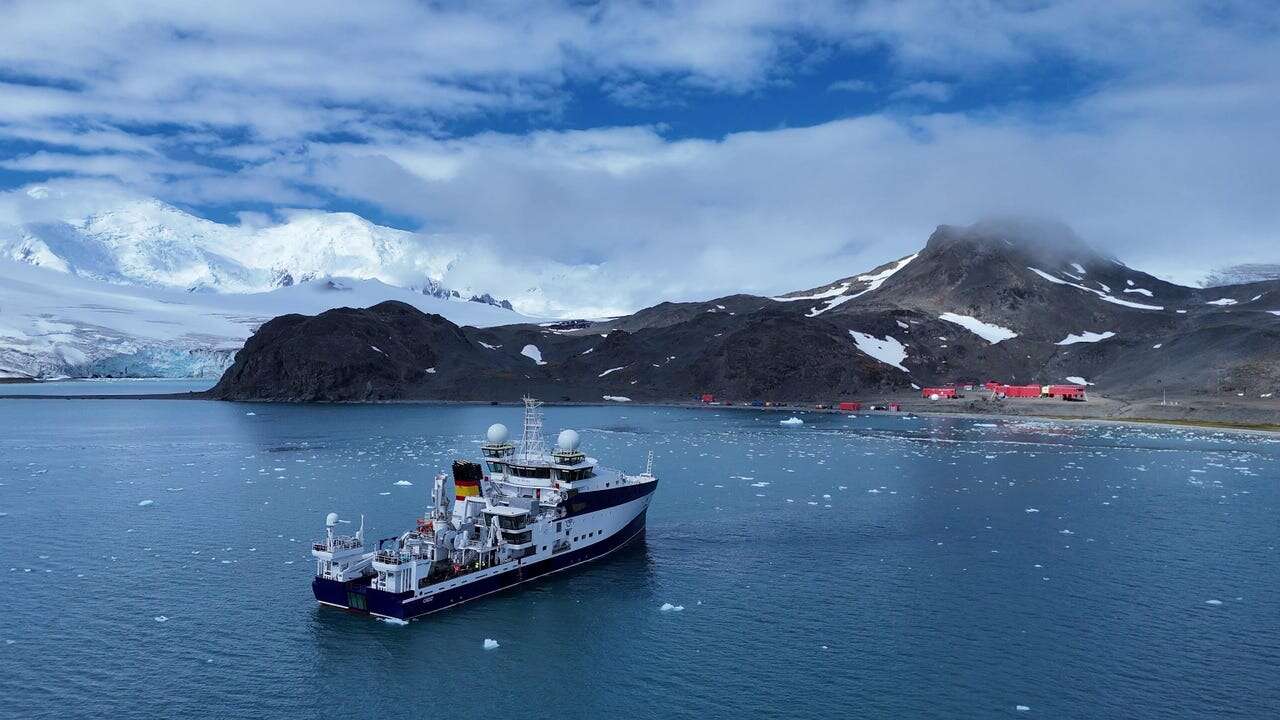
(490, 644)
(990, 332)
(1212, 602)
(403, 482)
(792, 421)
(145, 503)
(1087, 336)
(888, 351)
(668, 607)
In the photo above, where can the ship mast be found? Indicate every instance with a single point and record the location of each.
(532, 444)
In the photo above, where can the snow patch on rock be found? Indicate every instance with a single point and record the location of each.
(533, 353)
(1085, 337)
(888, 351)
(990, 332)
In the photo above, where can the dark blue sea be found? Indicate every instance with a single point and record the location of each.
(157, 566)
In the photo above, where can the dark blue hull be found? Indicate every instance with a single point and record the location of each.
(358, 596)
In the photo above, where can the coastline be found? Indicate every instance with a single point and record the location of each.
(1099, 410)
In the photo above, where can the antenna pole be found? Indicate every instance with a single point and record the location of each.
(532, 443)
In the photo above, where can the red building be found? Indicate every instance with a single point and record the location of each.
(1023, 391)
(850, 406)
(1067, 392)
(708, 398)
(943, 393)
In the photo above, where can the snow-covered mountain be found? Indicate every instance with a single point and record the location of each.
(1241, 274)
(149, 243)
(55, 323)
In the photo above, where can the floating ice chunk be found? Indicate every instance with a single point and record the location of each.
(987, 331)
(1085, 337)
(1032, 510)
(668, 607)
(161, 618)
(533, 353)
(1022, 708)
(250, 414)
(1212, 602)
(1157, 346)
(759, 484)
(490, 644)
(792, 421)
(145, 503)
(431, 371)
(403, 482)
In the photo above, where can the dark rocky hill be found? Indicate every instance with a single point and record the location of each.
(1011, 301)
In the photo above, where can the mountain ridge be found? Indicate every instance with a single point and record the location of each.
(976, 303)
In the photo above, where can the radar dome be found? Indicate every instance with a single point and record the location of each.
(331, 519)
(497, 434)
(568, 440)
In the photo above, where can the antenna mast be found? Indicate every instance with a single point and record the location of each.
(532, 443)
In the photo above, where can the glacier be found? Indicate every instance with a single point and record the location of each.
(59, 324)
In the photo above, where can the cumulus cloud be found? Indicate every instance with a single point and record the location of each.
(1165, 154)
(932, 90)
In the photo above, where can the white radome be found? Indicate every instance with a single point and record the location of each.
(331, 519)
(498, 433)
(568, 440)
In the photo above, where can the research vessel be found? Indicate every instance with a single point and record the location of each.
(519, 512)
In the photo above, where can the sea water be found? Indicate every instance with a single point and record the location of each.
(156, 558)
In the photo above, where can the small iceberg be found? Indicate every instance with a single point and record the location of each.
(792, 421)
(161, 618)
(490, 644)
(250, 414)
(145, 503)
(668, 607)
(1212, 602)
(403, 482)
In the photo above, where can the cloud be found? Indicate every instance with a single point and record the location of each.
(854, 86)
(1161, 148)
(932, 90)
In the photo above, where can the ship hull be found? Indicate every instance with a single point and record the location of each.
(358, 596)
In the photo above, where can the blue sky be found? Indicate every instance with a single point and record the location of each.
(742, 136)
